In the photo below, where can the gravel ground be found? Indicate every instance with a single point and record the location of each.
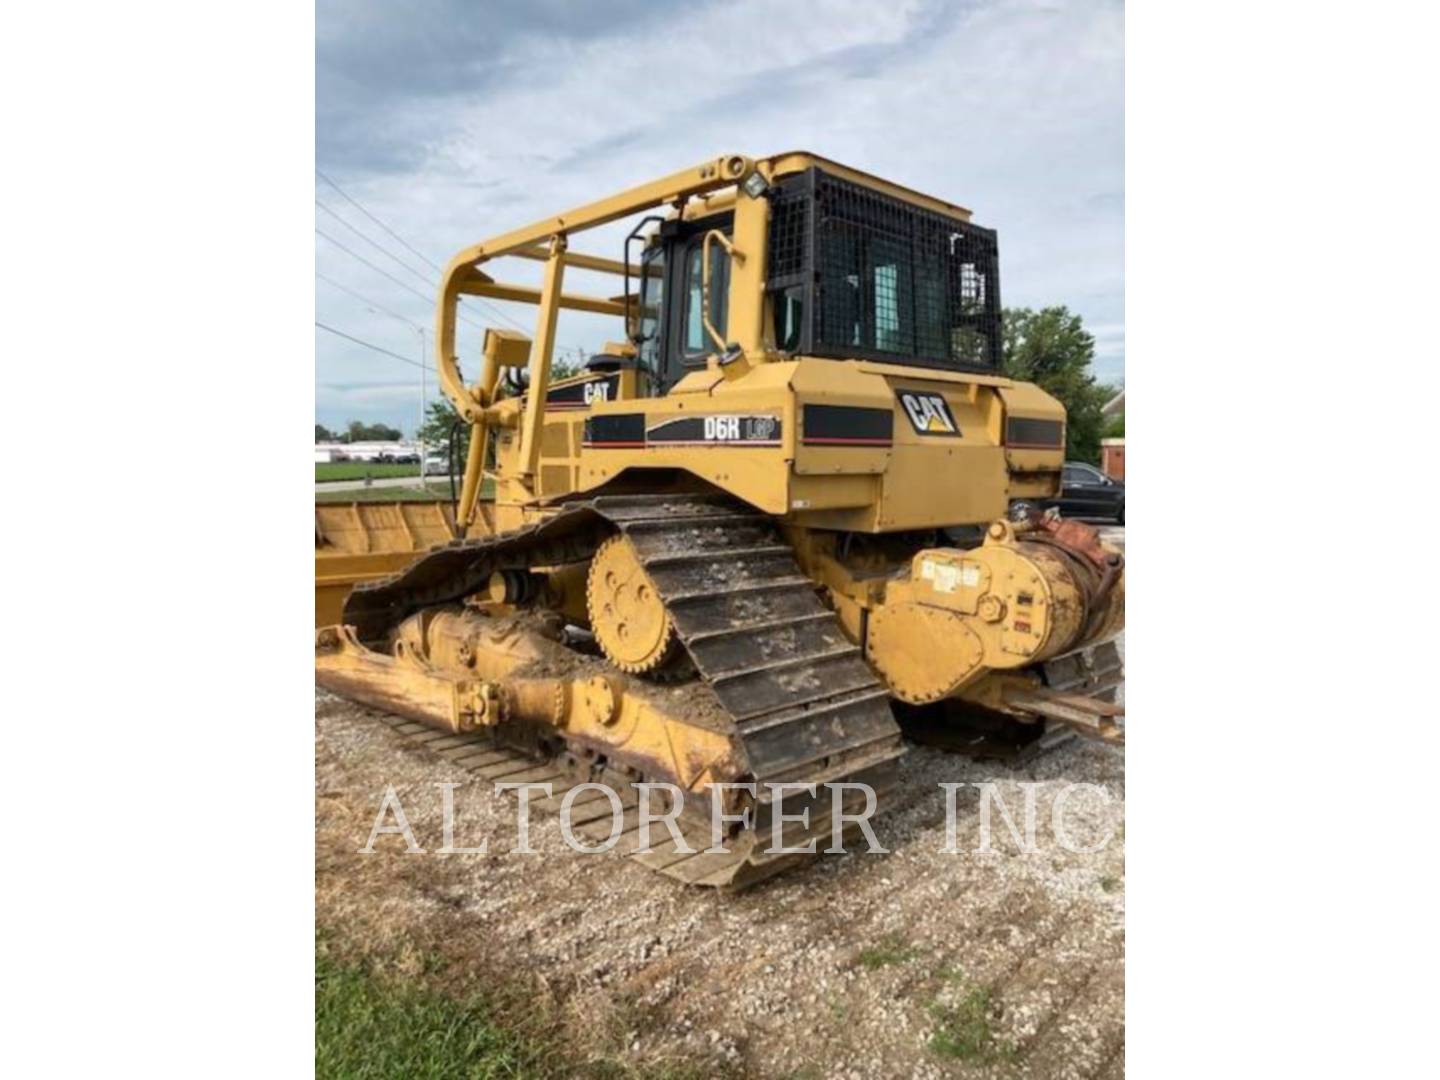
(842, 968)
(845, 968)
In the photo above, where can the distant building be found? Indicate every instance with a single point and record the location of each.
(363, 451)
(1112, 451)
(1112, 458)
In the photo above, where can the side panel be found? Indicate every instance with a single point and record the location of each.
(935, 456)
(834, 445)
(738, 435)
(947, 470)
(567, 404)
(1034, 438)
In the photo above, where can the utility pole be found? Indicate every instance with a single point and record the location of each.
(420, 431)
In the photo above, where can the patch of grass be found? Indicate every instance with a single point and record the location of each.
(1109, 884)
(358, 470)
(889, 951)
(369, 1026)
(439, 493)
(609, 1055)
(614, 1069)
(963, 1029)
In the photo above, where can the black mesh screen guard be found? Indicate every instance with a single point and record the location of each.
(857, 273)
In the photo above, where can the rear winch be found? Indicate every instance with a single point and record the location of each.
(1013, 602)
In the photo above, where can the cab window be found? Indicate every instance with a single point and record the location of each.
(789, 317)
(652, 303)
(695, 342)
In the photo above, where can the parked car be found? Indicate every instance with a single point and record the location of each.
(438, 465)
(1086, 492)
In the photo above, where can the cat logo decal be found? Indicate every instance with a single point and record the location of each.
(929, 413)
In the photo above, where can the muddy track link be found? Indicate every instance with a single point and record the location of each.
(805, 705)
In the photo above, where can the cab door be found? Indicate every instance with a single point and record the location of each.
(686, 345)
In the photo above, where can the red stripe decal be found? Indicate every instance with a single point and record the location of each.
(712, 442)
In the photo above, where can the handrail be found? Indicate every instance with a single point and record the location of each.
(738, 256)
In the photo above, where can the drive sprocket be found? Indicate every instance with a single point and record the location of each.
(627, 614)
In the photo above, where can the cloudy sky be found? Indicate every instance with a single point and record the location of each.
(447, 122)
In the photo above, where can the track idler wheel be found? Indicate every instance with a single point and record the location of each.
(627, 615)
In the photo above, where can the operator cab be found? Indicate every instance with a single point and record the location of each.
(853, 273)
(671, 336)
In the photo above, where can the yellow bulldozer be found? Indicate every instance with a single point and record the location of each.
(761, 538)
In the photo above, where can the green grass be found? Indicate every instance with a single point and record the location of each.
(367, 1026)
(889, 951)
(358, 470)
(439, 492)
(963, 1029)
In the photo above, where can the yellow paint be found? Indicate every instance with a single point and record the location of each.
(937, 623)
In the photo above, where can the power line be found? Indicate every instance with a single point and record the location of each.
(491, 308)
(405, 285)
(430, 281)
(400, 239)
(379, 270)
(367, 301)
(369, 345)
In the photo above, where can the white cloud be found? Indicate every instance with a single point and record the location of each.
(1014, 109)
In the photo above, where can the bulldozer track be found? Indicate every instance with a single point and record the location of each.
(803, 701)
(592, 815)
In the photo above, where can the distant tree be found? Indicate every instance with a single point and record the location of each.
(440, 417)
(1052, 349)
(1114, 427)
(323, 434)
(357, 431)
